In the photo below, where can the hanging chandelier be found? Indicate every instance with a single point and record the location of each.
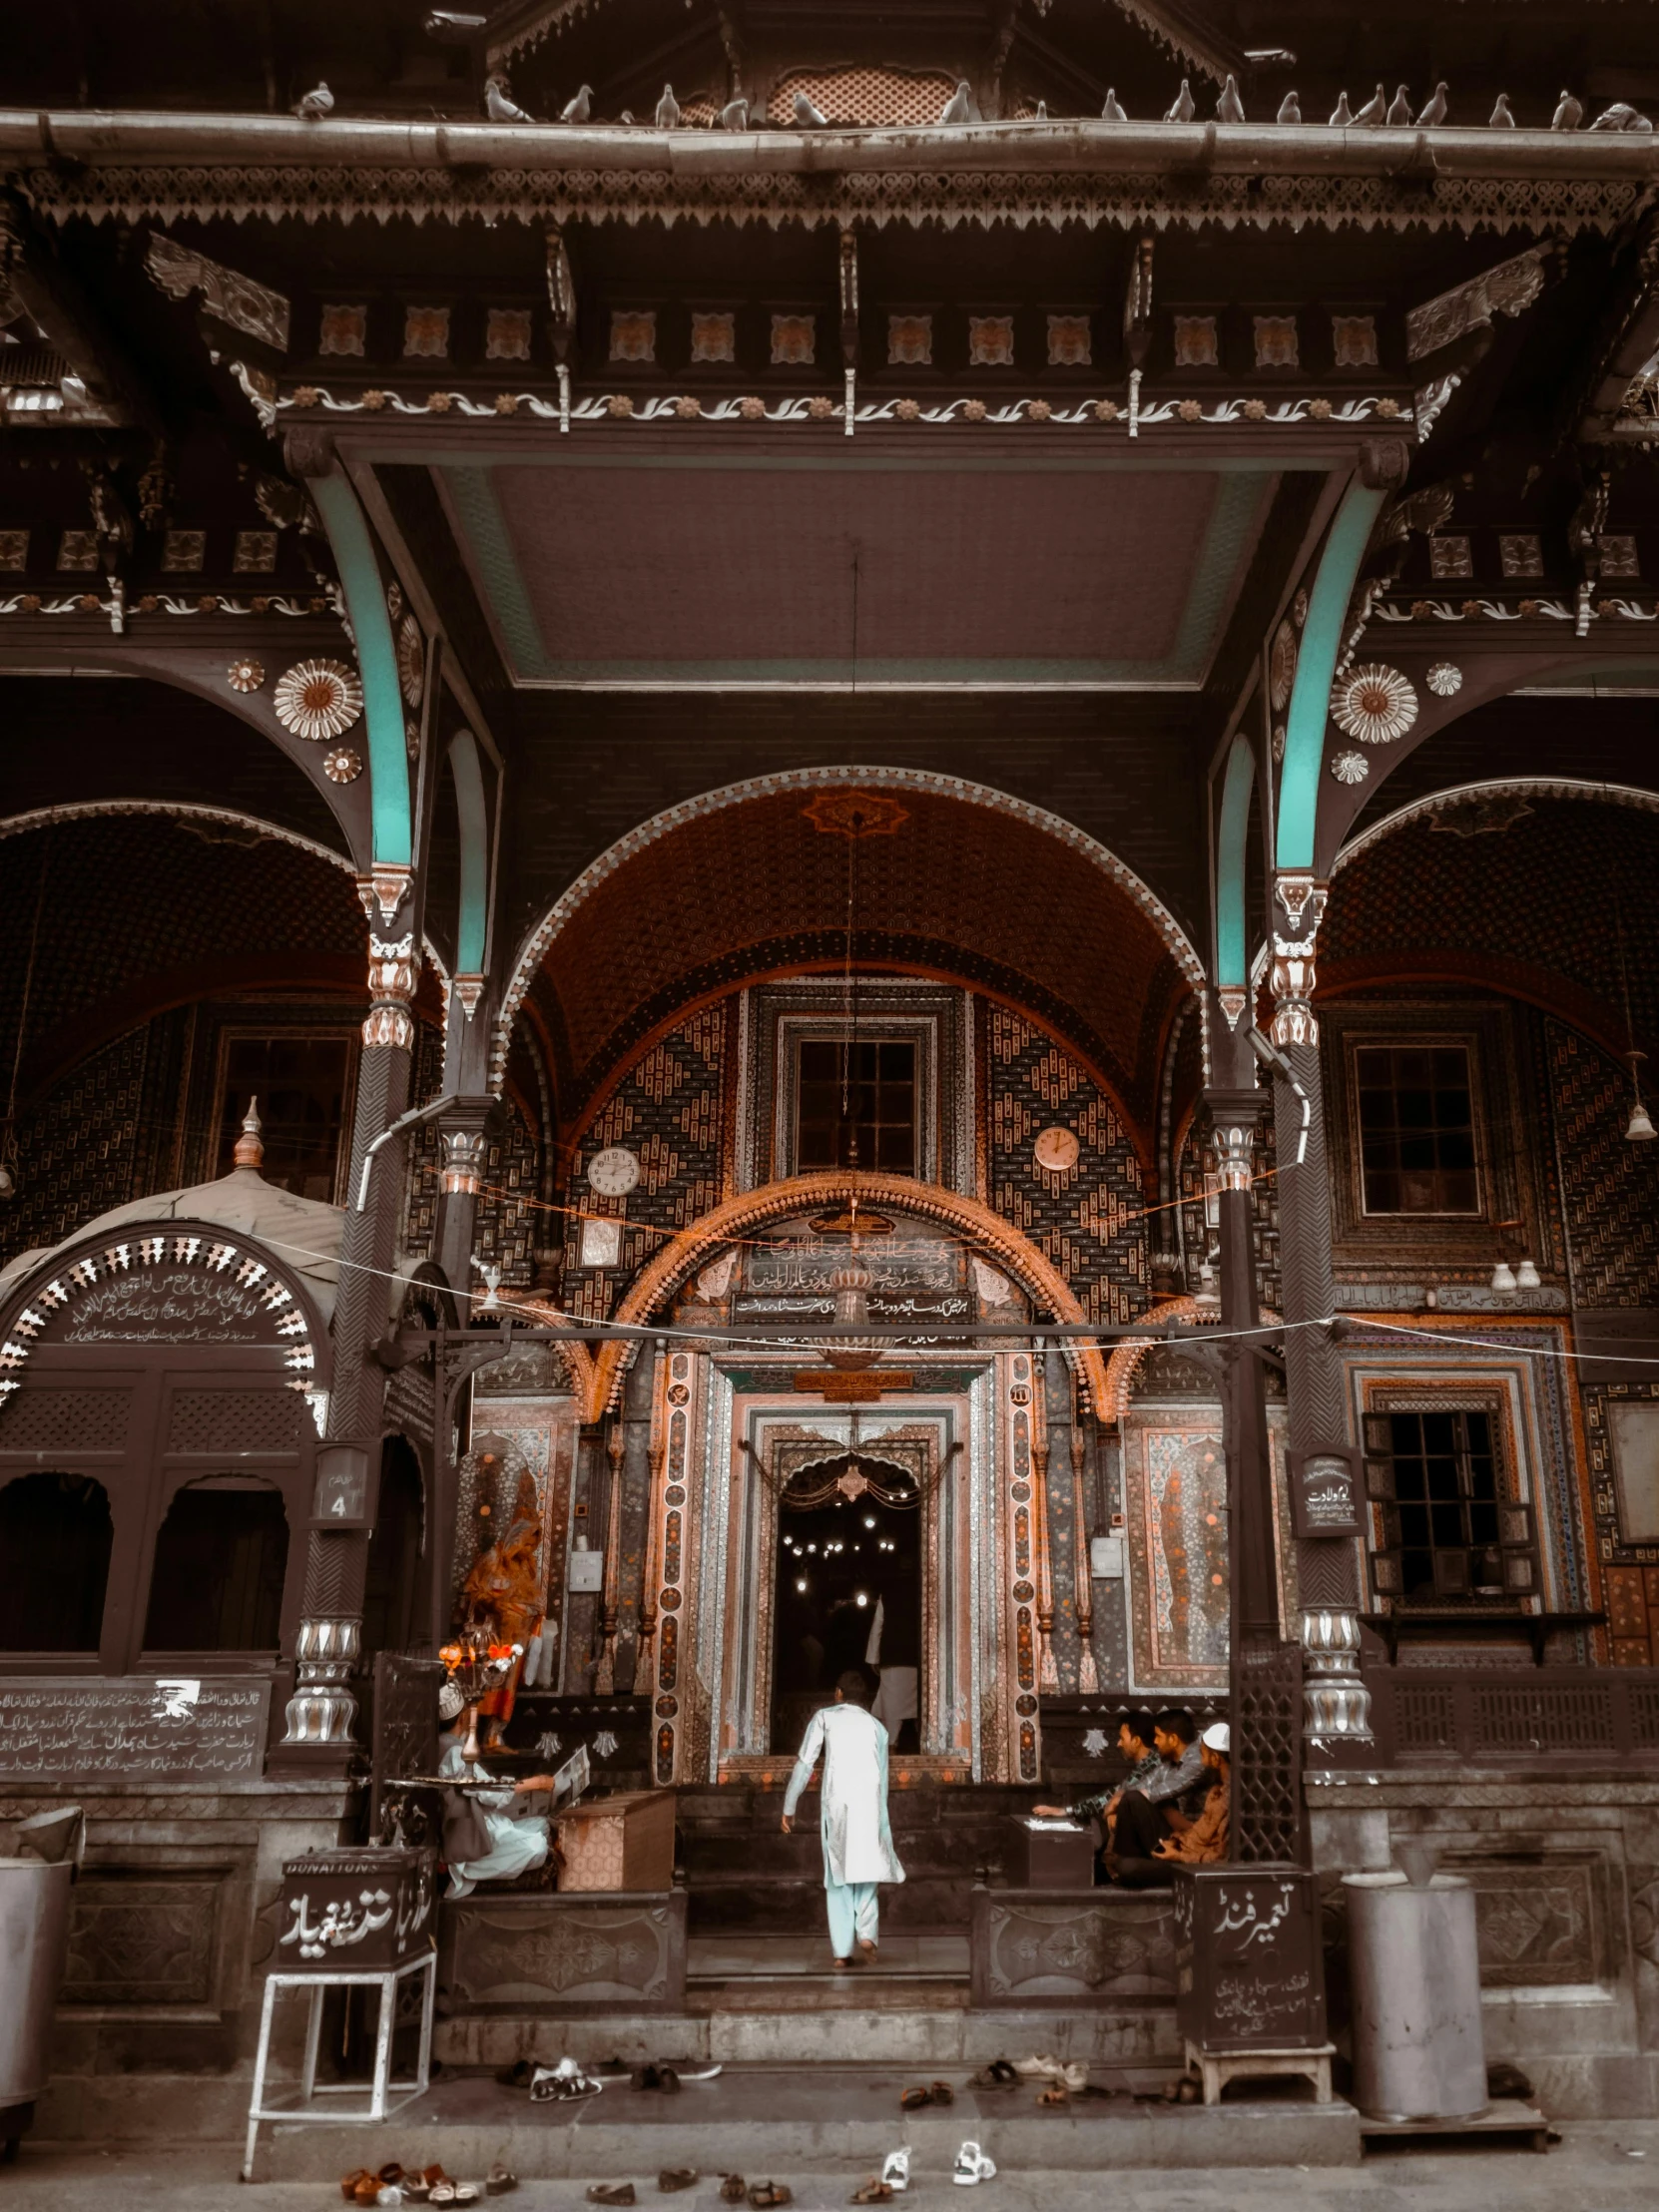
(850, 1352)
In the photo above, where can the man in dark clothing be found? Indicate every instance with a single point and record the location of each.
(1161, 1805)
(1136, 1741)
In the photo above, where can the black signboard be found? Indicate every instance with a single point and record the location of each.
(155, 1728)
(1248, 1971)
(1326, 1492)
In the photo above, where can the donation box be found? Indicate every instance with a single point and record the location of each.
(1054, 1855)
(1249, 1972)
(361, 1911)
(624, 1841)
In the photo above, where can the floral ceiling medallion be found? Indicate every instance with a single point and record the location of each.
(1281, 667)
(1350, 767)
(246, 675)
(1444, 679)
(342, 765)
(1374, 704)
(856, 814)
(317, 698)
(411, 659)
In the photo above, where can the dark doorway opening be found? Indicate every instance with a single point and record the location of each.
(849, 1546)
(55, 1538)
(221, 1558)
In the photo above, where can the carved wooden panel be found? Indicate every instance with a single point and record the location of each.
(1036, 1947)
(66, 1422)
(551, 1953)
(235, 1420)
(1539, 1919)
(141, 1939)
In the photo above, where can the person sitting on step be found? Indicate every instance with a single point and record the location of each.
(1170, 1794)
(1136, 1731)
(1152, 1841)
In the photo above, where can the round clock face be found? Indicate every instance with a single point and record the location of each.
(613, 1172)
(1057, 1149)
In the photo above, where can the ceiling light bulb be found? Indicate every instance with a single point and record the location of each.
(802, 1583)
(1639, 1129)
(870, 1520)
(863, 1598)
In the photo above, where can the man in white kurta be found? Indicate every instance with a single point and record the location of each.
(858, 1841)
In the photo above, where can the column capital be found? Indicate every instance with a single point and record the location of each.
(1299, 900)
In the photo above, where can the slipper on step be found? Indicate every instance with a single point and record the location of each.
(612, 2192)
(677, 2177)
(764, 2194)
(498, 2181)
(912, 2100)
(733, 2189)
(871, 2192)
(941, 2092)
(515, 2076)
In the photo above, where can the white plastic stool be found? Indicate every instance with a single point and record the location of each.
(385, 2096)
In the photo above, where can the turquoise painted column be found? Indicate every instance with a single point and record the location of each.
(1232, 831)
(366, 602)
(1316, 668)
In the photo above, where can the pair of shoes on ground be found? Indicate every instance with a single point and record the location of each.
(1069, 2074)
(658, 2076)
(999, 2074)
(394, 2184)
(670, 2180)
(891, 2181)
(554, 2085)
(735, 2190)
(936, 2092)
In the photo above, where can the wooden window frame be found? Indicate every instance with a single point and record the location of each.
(1517, 1542)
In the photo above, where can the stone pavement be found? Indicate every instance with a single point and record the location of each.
(1610, 2166)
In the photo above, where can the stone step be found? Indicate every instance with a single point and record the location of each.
(837, 2026)
(789, 2121)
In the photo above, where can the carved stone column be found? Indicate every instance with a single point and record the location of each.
(1337, 1703)
(322, 1711)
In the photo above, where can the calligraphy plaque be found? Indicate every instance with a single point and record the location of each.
(1249, 1975)
(131, 1727)
(361, 1911)
(1324, 1492)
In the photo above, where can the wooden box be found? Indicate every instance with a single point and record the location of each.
(624, 1841)
(1249, 1970)
(1047, 1856)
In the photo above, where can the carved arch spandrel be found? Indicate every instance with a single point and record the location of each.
(599, 1374)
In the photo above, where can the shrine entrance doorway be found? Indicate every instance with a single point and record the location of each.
(847, 1593)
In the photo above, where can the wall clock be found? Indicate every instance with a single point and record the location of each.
(614, 1172)
(1056, 1150)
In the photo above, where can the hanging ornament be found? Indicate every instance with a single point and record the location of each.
(317, 698)
(1374, 704)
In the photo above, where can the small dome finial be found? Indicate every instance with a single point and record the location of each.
(249, 1152)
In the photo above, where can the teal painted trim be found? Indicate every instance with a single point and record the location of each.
(1233, 831)
(472, 924)
(1316, 668)
(365, 600)
(473, 496)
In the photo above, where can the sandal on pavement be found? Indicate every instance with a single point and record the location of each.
(763, 2194)
(645, 2077)
(443, 2192)
(871, 2192)
(348, 2183)
(733, 2189)
(677, 2177)
(895, 2171)
(515, 2076)
(973, 2166)
(941, 2092)
(912, 2100)
(999, 2074)
(498, 2181)
(612, 2192)
(1055, 2095)
(668, 2080)
(467, 2192)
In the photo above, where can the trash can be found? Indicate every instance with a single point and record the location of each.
(34, 1936)
(1417, 2047)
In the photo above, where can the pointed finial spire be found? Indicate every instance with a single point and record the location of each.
(249, 1152)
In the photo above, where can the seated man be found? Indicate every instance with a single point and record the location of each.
(1203, 1842)
(517, 1839)
(1136, 1733)
(1161, 1805)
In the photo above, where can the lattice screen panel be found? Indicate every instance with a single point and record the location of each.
(1267, 1754)
(65, 1420)
(871, 97)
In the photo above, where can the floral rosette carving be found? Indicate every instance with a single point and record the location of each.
(1350, 767)
(411, 659)
(317, 699)
(1374, 703)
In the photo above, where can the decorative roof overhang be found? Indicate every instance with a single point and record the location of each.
(73, 164)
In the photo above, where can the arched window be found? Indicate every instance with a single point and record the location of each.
(221, 1556)
(55, 1535)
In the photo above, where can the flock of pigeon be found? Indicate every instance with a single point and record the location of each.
(1379, 112)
